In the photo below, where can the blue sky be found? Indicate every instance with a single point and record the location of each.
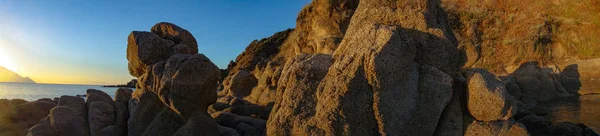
(84, 42)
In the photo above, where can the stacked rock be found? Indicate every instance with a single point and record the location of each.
(490, 104)
(176, 84)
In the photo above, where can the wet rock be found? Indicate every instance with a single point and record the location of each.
(487, 98)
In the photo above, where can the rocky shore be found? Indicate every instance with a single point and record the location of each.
(348, 68)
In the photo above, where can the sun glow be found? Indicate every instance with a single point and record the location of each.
(6, 60)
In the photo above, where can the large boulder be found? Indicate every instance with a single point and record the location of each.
(75, 103)
(496, 128)
(143, 108)
(144, 49)
(537, 82)
(451, 121)
(435, 93)
(67, 121)
(188, 84)
(373, 85)
(101, 115)
(184, 40)
(487, 98)
(300, 78)
(93, 95)
(175, 83)
(241, 84)
(536, 125)
(122, 97)
(33, 111)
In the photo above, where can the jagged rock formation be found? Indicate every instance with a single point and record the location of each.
(348, 65)
(380, 73)
(176, 86)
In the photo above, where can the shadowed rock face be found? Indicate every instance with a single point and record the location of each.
(176, 85)
(378, 76)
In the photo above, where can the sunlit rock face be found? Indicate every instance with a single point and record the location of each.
(382, 78)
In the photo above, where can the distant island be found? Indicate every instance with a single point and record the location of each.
(10, 76)
(130, 84)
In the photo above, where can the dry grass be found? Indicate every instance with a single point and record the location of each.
(510, 32)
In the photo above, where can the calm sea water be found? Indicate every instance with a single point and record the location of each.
(31, 92)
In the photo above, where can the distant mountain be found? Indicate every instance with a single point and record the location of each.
(10, 76)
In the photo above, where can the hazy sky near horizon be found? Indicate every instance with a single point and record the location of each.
(84, 42)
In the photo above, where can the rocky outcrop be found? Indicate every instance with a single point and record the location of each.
(19, 115)
(176, 85)
(537, 82)
(300, 79)
(253, 76)
(320, 26)
(379, 75)
(487, 97)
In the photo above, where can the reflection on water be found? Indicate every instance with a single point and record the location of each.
(586, 111)
(590, 86)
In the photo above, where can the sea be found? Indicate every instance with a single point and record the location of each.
(32, 91)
